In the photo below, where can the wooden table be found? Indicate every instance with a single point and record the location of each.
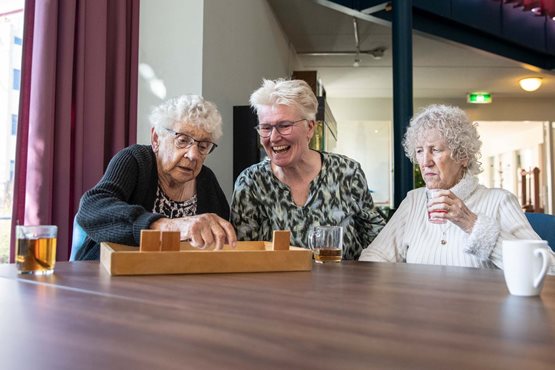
(345, 316)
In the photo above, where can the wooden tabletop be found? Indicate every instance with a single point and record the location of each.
(344, 316)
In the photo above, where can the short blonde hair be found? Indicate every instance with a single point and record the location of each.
(294, 93)
(454, 125)
(192, 109)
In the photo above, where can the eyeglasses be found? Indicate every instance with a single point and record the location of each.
(184, 141)
(283, 127)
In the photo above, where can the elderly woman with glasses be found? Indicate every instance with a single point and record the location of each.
(453, 220)
(296, 188)
(162, 186)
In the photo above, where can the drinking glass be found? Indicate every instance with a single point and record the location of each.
(430, 194)
(36, 249)
(326, 243)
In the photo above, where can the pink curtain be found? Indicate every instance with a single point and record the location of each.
(78, 105)
(548, 7)
(540, 7)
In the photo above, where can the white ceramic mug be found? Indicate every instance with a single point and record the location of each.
(525, 263)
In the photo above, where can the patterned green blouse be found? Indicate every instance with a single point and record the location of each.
(339, 195)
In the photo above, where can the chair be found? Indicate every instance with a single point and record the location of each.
(77, 239)
(544, 226)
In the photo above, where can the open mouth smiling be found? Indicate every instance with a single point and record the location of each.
(280, 148)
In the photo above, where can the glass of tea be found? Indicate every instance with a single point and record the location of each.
(326, 243)
(36, 249)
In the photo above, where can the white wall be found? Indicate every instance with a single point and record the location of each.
(170, 42)
(243, 43)
(502, 109)
(219, 49)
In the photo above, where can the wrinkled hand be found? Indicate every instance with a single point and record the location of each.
(454, 210)
(202, 230)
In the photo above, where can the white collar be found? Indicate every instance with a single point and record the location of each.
(464, 188)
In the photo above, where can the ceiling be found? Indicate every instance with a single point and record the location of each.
(441, 68)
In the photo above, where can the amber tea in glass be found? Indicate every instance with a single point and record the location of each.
(326, 243)
(36, 249)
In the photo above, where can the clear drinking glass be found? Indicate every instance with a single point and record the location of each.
(36, 249)
(326, 243)
(430, 194)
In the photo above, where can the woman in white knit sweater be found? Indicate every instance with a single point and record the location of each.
(446, 146)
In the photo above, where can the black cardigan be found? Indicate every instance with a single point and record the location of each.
(120, 205)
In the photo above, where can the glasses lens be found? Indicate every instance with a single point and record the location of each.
(264, 130)
(284, 128)
(183, 141)
(205, 147)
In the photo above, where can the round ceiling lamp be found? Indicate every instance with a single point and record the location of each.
(530, 83)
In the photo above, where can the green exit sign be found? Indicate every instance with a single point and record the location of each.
(478, 98)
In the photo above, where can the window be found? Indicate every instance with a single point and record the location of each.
(12, 169)
(11, 42)
(14, 124)
(16, 79)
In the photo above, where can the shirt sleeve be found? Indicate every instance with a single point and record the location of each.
(489, 232)
(388, 245)
(105, 212)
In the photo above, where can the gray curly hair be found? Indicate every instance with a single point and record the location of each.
(295, 93)
(454, 125)
(192, 109)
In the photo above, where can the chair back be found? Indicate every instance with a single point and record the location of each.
(544, 226)
(77, 239)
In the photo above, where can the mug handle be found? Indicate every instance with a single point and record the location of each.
(311, 235)
(545, 265)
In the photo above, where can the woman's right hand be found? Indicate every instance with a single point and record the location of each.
(201, 230)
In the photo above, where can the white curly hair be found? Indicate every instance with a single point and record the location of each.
(295, 93)
(193, 109)
(454, 126)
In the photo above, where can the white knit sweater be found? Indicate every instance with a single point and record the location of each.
(410, 237)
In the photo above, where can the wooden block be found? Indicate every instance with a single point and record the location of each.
(150, 241)
(170, 241)
(280, 240)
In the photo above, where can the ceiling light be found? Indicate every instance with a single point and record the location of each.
(530, 83)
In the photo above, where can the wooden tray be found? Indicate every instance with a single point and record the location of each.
(255, 256)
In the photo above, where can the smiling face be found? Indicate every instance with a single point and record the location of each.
(178, 166)
(285, 150)
(438, 169)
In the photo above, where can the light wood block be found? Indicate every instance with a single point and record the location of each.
(256, 256)
(150, 241)
(280, 240)
(170, 241)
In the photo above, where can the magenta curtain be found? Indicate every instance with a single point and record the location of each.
(540, 7)
(78, 105)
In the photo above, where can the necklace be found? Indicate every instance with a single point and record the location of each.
(444, 227)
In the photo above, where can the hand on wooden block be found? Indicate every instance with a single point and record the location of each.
(280, 240)
(156, 241)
